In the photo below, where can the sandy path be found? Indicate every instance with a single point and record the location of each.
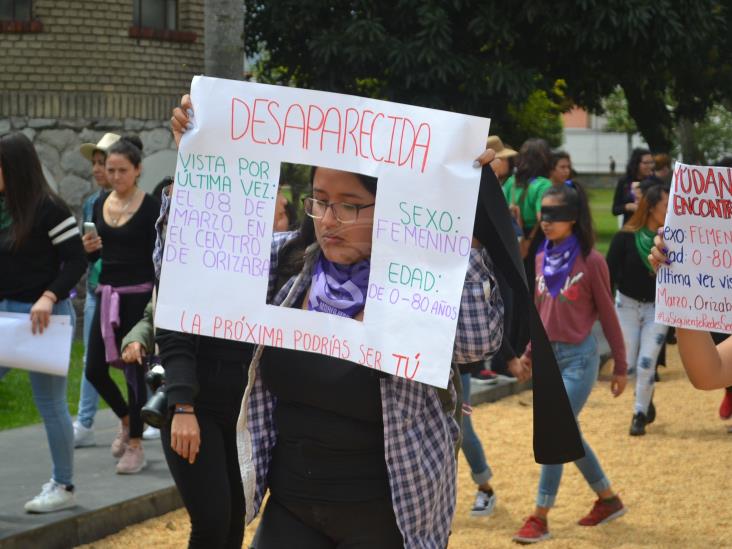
(675, 480)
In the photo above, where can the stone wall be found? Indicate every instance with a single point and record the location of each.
(57, 142)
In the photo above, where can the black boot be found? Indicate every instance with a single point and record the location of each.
(638, 425)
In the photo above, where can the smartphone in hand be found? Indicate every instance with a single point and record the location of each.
(90, 228)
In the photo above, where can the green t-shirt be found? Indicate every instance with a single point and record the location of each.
(531, 205)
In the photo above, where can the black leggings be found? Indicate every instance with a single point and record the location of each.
(211, 488)
(333, 526)
(131, 309)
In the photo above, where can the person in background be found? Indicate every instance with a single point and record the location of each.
(523, 192)
(662, 167)
(612, 164)
(572, 292)
(41, 260)
(125, 238)
(503, 163)
(560, 168)
(640, 167)
(96, 153)
(634, 280)
(281, 217)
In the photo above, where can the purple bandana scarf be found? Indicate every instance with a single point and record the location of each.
(558, 262)
(339, 289)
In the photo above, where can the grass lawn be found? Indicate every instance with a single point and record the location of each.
(16, 399)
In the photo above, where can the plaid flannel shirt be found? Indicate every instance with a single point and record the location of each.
(419, 432)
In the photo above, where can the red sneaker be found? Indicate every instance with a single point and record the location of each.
(725, 409)
(534, 530)
(604, 511)
(485, 377)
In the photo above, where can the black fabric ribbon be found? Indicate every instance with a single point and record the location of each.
(556, 435)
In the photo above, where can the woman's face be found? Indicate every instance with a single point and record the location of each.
(658, 212)
(645, 168)
(500, 167)
(343, 243)
(121, 173)
(556, 231)
(99, 170)
(281, 221)
(560, 172)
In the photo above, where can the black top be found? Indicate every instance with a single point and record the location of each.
(623, 195)
(182, 355)
(52, 258)
(628, 273)
(127, 250)
(330, 431)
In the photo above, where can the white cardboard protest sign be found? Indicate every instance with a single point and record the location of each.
(216, 261)
(695, 291)
(47, 353)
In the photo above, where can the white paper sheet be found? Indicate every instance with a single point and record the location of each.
(47, 352)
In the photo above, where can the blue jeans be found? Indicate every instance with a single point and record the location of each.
(480, 471)
(579, 364)
(88, 396)
(49, 394)
(643, 341)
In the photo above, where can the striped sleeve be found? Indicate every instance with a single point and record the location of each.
(63, 233)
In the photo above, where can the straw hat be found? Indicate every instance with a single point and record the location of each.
(108, 139)
(495, 143)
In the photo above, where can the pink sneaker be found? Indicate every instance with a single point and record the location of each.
(534, 530)
(132, 461)
(120, 442)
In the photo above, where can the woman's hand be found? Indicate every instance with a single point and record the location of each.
(527, 363)
(659, 253)
(486, 157)
(181, 120)
(617, 385)
(185, 435)
(519, 370)
(133, 352)
(92, 242)
(40, 313)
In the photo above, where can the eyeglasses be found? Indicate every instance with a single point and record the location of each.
(343, 212)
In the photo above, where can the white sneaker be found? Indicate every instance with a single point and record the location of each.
(83, 436)
(151, 433)
(53, 497)
(484, 504)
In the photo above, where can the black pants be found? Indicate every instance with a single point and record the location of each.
(335, 526)
(131, 309)
(211, 488)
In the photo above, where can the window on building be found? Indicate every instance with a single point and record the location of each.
(15, 10)
(154, 14)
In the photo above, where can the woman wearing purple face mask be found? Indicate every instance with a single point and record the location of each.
(572, 291)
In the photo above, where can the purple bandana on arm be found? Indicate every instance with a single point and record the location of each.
(339, 289)
(558, 262)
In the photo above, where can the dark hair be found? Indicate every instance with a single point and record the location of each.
(725, 162)
(652, 195)
(128, 146)
(291, 257)
(25, 185)
(533, 161)
(574, 195)
(631, 170)
(556, 157)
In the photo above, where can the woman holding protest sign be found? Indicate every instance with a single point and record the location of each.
(357, 478)
(634, 280)
(41, 260)
(124, 239)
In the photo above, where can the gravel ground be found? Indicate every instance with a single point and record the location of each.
(675, 481)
